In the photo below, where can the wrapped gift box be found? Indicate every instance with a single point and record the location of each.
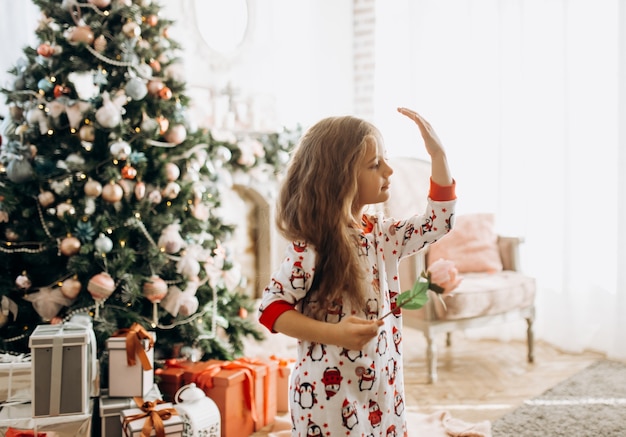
(19, 418)
(136, 378)
(264, 373)
(110, 410)
(133, 420)
(15, 380)
(285, 367)
(170, 380)
(64, 369)
(228, 388)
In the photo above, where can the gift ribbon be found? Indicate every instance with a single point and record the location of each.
(134, 347)
(13, 432)
(204, 379)
(154, 417)
(253, 364)
(283, 364)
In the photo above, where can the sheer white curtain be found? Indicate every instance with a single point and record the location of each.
(18, 20)
(529, 98)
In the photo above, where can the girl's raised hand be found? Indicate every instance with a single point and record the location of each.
(431, 140)
(440, 171)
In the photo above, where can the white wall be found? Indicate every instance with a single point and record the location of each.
(296, 63)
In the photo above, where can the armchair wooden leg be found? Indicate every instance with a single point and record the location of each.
(530, 339)
(448, 339)
(431, 359)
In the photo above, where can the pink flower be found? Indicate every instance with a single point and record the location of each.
(443, 276)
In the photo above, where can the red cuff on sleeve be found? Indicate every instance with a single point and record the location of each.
(272, 311)
(442, 193)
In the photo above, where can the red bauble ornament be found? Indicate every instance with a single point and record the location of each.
(71, 287)
(70, 246)
(60, 90)
(45, 50)
(152, 20)
(165, 93)
(129, 172)
(155, 289)
(101, 286)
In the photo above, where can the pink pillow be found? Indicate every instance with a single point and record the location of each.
(471, 245)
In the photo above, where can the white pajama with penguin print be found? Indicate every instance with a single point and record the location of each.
(339, 392)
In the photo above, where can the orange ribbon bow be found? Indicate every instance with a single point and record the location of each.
(134, 347)
(154, 417)
(205, 379)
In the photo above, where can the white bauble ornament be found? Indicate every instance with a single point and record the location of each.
(103, 244)
(136, 88)
(120, 150)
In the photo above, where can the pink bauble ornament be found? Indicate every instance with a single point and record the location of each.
(101, 286)
(23, 282)
(140, 190)
(100, 44)
(100, 3)
(45, 50)
(154, 86)
(131, 29)
(176, 134)
(93, 188)
(46, 198)
(154, 289)
(112, 192)
(165, 93)
(172, 172)
(71, 287)
(70, 246)
(80, 34)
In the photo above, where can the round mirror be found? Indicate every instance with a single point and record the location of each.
(222, 24)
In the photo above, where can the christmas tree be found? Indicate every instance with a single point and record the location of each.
(110, 198)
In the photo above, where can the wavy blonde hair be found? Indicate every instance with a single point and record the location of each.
(316, 204)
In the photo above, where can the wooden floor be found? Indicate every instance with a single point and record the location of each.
(482, 379)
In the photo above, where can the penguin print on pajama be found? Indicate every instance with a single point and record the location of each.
(304, 395)
(349, 415)
(298, 277)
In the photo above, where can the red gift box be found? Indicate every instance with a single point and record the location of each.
(230, 387)
(170, 379)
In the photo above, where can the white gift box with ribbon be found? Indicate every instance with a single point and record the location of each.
(15, 378)
(65, 368)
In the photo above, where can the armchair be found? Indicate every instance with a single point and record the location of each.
(493, 289)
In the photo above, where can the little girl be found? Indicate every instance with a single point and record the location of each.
(340, 275)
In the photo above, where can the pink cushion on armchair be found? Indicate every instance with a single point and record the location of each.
(472, 244)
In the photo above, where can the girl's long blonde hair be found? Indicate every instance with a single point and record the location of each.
(316, 205)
